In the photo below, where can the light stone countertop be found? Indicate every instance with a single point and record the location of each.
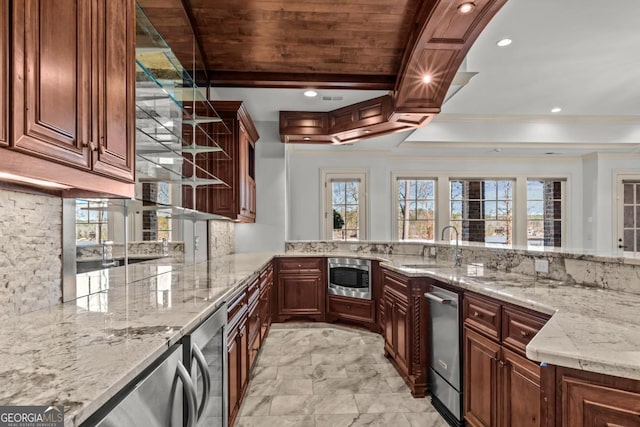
(81, 353)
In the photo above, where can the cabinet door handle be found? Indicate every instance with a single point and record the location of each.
(476, 314)
(92, 145)
(524, 334)
(190, 392)
(206, 378)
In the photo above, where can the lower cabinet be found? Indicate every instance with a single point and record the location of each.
(501, 387)
(480, 388)
(396, 337)
(354, 310)
(587, 399)
(249, 320)
(301, 288)
(238, 361)
(405, 328)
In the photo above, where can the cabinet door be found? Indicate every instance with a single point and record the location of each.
(520, 400)
(233, 355)
(113, 93)
(243, 350)
(51, 76)
(4, 72)
(243, 150)
(300, 294)
(389, 328)
(401, 334)
(480, 379)
(585, 404)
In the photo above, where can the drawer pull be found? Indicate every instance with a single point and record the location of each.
(524, 334)
(476, 314)
(299, 265)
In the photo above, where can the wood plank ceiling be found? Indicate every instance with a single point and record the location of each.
(356, 44)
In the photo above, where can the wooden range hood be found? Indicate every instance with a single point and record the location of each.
(442, 36)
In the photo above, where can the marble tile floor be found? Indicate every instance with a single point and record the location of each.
(322, 375)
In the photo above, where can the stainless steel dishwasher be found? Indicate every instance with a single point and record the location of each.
(444, 373)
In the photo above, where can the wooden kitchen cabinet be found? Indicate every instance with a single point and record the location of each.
(406, 316)
(301, 288)
(239, 200)
(237, 354)
(501, 387)
(113, 88)
(72, 115)
(480, 388)
(396, 339)
(588, 399)
(354, 310)
(4, 72)
(520, 384)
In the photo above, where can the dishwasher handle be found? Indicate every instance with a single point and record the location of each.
(436, 298)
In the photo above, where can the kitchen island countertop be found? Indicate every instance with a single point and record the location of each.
(81, 353)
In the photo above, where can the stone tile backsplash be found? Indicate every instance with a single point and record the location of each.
(621, 274)
(221, 238)
(30, 252)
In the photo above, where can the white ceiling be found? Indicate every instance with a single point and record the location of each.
(580, 55)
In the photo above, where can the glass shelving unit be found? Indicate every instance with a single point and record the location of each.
(173, 117)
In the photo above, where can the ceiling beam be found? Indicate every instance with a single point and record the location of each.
(301, 80)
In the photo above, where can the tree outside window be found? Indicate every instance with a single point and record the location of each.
(346, 209)
(415, 209)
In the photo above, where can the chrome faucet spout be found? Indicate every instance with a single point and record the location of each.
(457, 254)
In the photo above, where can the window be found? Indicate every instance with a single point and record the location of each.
(91, 220)
(482, 210)
(345, 218)
(415, 208)
(631, 218)
(544, 212)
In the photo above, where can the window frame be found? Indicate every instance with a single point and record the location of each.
(519, 202)
(326, 224)
(421, 176)
(563, 212)
(514, 213)
(618, 211)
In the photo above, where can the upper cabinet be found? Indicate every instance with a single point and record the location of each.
(4, 72)
(114, 87)
(239, 200)
(72, 92)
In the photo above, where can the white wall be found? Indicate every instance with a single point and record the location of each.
(268, 232)
(305, 188)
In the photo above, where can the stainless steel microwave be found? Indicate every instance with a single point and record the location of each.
(350, 277)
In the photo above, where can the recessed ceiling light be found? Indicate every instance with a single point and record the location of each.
(504, 42)
(310, 93)
(556, 109)
(465, 8)
(426, 78)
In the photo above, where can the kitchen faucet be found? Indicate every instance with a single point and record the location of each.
(457, 253)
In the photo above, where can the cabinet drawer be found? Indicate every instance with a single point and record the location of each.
(482, 315)
(252, 291)
(395, 281)
(237, 308)
(519, 327)
(351, 308)
(300, 265)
